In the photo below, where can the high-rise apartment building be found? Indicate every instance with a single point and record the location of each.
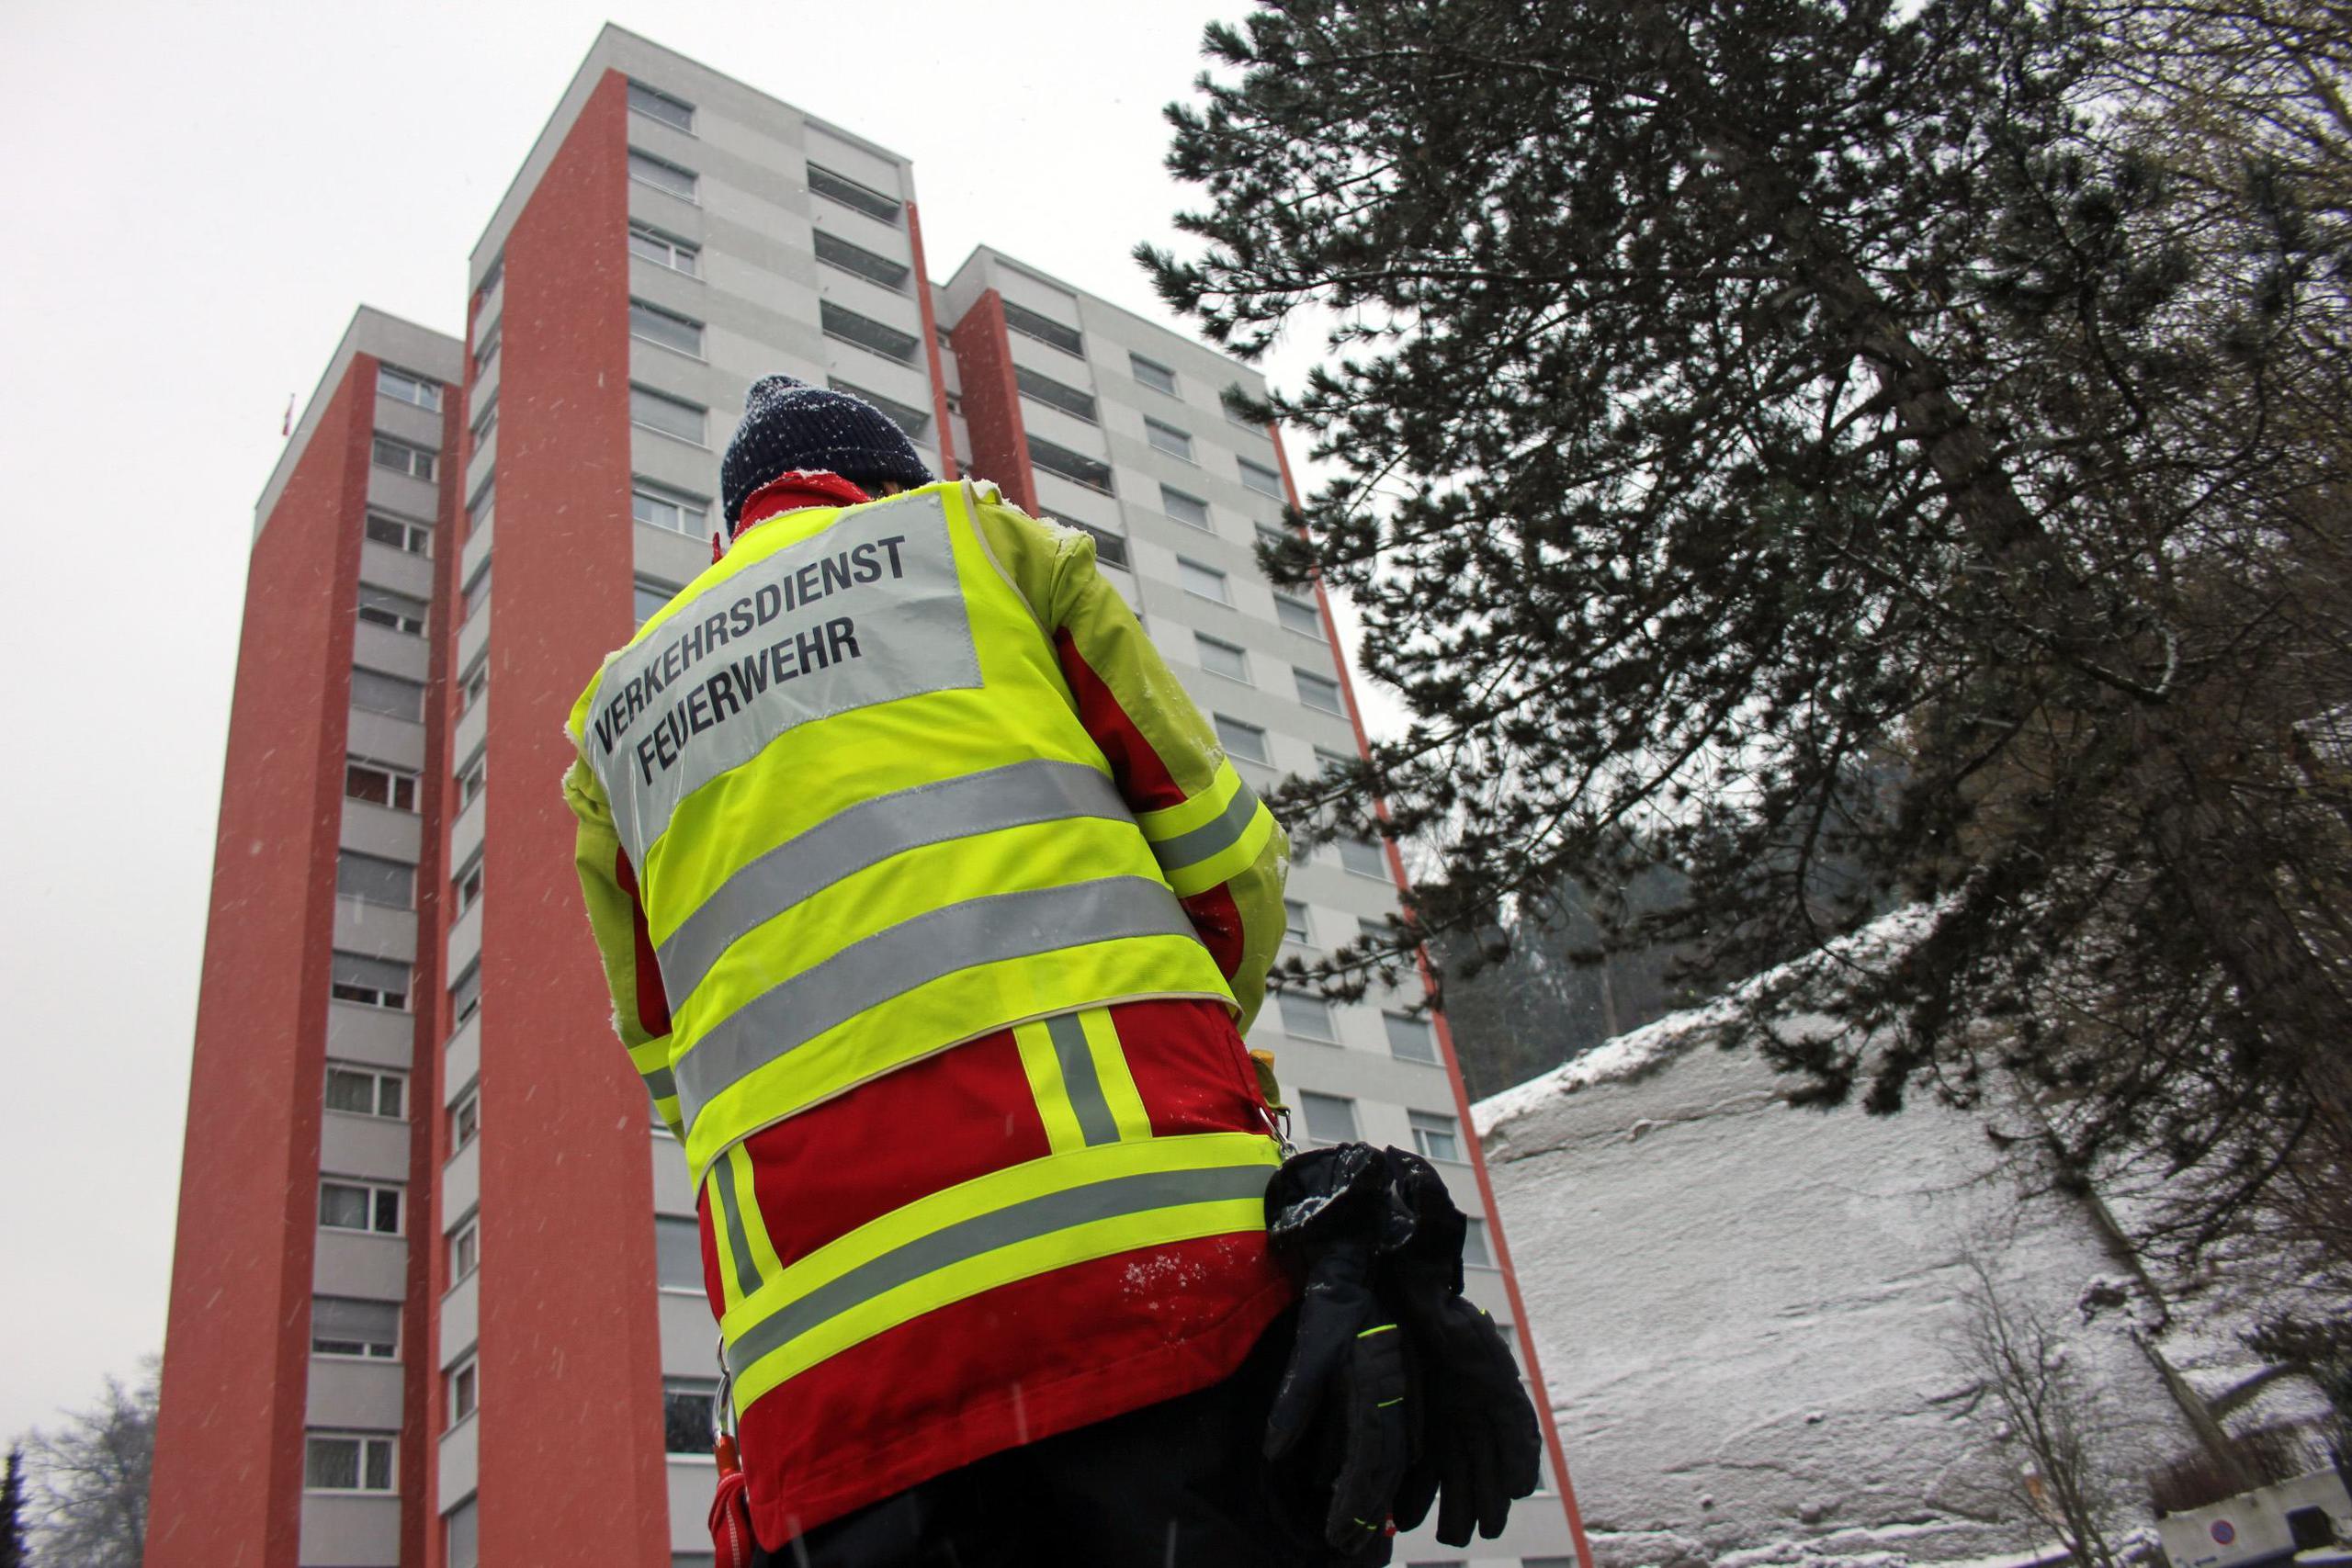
(437, 1299)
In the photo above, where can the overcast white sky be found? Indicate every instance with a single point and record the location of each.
(202, 193)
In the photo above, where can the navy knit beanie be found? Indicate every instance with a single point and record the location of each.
(790, 425)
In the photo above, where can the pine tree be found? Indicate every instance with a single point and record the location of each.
(1826, 450)
(12, 1511)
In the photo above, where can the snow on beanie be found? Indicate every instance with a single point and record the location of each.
(790, 425)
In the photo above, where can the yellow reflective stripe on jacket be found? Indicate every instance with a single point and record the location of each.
(746, 1257)
(1078, 1076)
(994, 1230)
(1211, 837)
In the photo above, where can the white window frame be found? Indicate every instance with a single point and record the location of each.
(1228, 728)
(1188, 570)
(694, 1287)
(485, 419)
(1296, 927)
(674, 251)
(461, 1386)
(661, 497)
(1339, 853)
(469, 779)
(1272, 488)
(378, 1078)
(1428, 1126)
(1310, 621)
(417, 462)
(391, 1449)
(415, 538)
(638, 157)
(1285, 1000)
(363, 1354)
(342, 855)
(336, 988)
(1475, 1239)
(375, 1189)
(1308, 681)
(465, 888)
(465, 1118)
(1169, 494)
(1137, 364)
(1355, 1125)
(1390, 1022)
(407, 387)
(662, 313)
(406, 716)
(401, 619)
(1205, 643)
(1172, 440)
(465, 995)
(464, 1248)
(699, 441)
(393, 777)
(638, 90)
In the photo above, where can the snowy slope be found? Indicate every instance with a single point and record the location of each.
(1744, 1309)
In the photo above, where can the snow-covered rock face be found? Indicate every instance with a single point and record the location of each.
(1746, 1310)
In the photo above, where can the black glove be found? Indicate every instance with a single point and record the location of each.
(1480, 1443)
(1327, 1212)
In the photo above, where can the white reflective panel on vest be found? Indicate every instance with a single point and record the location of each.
(865, 612)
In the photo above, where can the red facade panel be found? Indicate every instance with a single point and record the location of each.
(992, 401)
(947, 469)
(571, 1468)
(227, 1487)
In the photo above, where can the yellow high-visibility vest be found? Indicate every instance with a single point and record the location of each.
(865, 821)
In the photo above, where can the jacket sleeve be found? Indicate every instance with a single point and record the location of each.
(608, 887)
(1217, 844)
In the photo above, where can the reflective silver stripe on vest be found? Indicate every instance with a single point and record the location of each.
(869, 833)
(984, 1233)
(1214, 837)
(738, 1240)
(867, 611)
(898, 958)
(1079, 1080)
(660, 1084)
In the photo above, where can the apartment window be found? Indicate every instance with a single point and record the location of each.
(1434, 1136)
(465, 994)
(1261, 479)
(656, 104)
(366, 1092)
(836, 251)
(379, 784)
(375, 880)
(469, 778)
(347, 1462)
(1075, 466)
(476, 684)
(372, 1206)
(670, 416)
(865, 332)
(1246, 741)
(485, 419)
(1293, 922)
(1054, 394)
(477, 592)
(481, 505)
(1474, 1245)
(486, 351)
(854, 195)
(465, 1120)
(387, 695)
(369, 982)
(1205, 580)
(382, 607)
(1306, 1018)
(461, 1385)
(341, 1325)
(461, 1536)
(677, 1253)
(1222, 657)
(662, 174)
(915, 422)
(1329, 1119)
(664, 250)
(687, 1407)
(667, 328)
(1318, 691)
(466, 887)
(651, 595)
(1298, 615)
(400, 534)
(1168, 439)
(401, 386)
(465, 1249)
(1363, 858)
(1110, 548)
(403, 459)
(1153, 374)
(1409, 1039)
(1330, 761)
(663, 507)
(1044, 329)
(1188, 510)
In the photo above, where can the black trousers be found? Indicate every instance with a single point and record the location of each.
(1178, 1484)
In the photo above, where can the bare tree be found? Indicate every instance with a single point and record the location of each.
(2053, 1424)
(90, 1497)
